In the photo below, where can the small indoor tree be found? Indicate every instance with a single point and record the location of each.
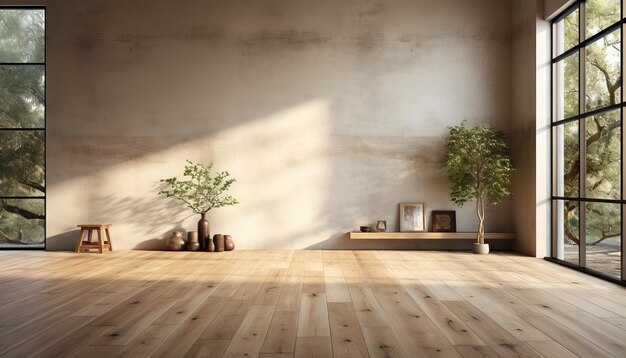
(201, 192)
(479, 166)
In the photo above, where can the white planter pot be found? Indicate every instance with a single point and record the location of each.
(481, 248)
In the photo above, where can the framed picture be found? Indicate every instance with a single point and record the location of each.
(412, 217)
(444, 220)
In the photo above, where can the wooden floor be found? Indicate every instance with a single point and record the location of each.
(283, 303)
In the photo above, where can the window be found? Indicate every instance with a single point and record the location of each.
(587, 150)
(22, 127)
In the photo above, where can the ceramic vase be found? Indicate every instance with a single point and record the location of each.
(192, 241)
(229, 244)
(203, 232)
(218, 240)
(176, 242)
(210, 245)
(481, 248)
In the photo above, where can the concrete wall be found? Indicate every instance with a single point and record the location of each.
(328, 113)
(530, 123)
(543, 120)
(552, 7)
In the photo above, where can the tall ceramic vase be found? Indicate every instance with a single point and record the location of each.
(203, 232)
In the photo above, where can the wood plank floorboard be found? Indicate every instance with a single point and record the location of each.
(304, 303)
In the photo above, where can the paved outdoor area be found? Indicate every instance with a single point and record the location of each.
(603, 258)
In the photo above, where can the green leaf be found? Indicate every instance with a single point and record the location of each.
(202, 192)
(478, 164)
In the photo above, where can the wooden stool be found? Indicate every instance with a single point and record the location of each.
(89, 244)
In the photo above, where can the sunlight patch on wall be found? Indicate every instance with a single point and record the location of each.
(280, 161)
(542, 150)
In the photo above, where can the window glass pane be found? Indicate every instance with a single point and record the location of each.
(568, 237)
(566, 33)
(22, 163)
(22, 35)
(22, 222)
(602, 61)
(22, 137)
(22, 96)
(603, 237)
(567, 161)
(603, 156)
(601, 14)
(567, 87)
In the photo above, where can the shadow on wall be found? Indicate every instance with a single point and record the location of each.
(66, 240)
(138, 222)
(149, 221)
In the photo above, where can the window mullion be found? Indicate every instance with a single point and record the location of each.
(582, 148)
(622, 211)
(554, 252)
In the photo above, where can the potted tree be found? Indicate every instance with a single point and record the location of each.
(201, 192)
(479, 166)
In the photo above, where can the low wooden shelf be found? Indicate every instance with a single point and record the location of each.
(356, 235)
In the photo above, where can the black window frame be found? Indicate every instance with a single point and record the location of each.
(45, 124)
(580, 118)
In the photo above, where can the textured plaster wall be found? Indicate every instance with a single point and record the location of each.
(553, 7)
(530, 105)
(328, 113)
(523, 121)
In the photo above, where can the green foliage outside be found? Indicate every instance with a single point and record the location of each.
(22, 105)
(22, 96)
(201, 191)
(22, 36)
(479, 166)
(602, 131)
(22, 221)
(22, 163)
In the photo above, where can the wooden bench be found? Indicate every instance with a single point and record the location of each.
(89, 244)
(355, 235)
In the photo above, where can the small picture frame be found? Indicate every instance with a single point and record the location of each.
(412, 217)
(444, 220)
(381, 226)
